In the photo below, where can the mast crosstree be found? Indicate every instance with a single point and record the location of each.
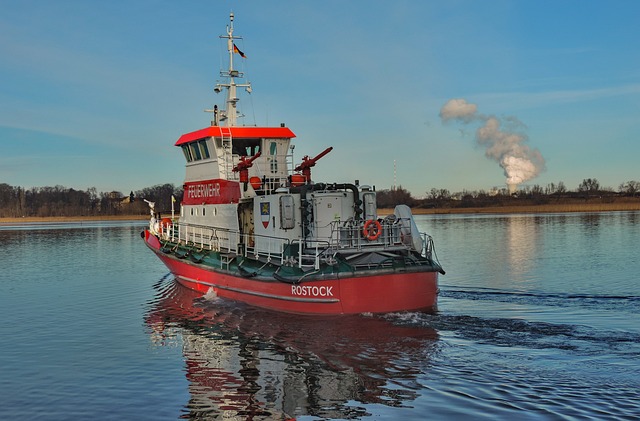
(229, 116)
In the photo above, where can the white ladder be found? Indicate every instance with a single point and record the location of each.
(225, 159)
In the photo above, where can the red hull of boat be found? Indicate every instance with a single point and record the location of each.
(380, 293)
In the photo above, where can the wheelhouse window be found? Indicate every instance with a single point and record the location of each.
(204, 149)
(195, 151)
(246, 147)
(187, 153)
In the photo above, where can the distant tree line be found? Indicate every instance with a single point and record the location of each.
(62, 201)
(588, 189)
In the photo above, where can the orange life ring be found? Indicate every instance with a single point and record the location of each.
(165, 223)
(372, 229)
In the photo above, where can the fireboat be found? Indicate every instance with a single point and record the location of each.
(256, 227)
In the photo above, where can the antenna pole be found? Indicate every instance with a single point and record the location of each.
(395, 184)
(230, 114)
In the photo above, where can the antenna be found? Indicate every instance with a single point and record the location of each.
(230, 113)
(395, 184)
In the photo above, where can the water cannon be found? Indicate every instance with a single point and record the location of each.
(243, 167)
(307, 163)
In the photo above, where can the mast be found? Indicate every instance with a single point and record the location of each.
(229, 115)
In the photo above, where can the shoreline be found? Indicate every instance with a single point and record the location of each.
(524, 209)
(547, 208)
(67, 219)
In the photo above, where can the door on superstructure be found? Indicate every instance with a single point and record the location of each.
(247, 229)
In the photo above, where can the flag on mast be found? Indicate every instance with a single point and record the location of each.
(237, 50)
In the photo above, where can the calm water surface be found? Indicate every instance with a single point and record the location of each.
(539, 318)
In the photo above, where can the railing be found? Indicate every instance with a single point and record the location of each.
(350, 235)
(227, 241)
(269, 181)
(427, 246)
(345, 238)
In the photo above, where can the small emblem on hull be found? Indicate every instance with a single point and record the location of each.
(265, 213)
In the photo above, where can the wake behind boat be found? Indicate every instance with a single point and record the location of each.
(255, 227)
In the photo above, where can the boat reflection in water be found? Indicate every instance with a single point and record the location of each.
(247, 363)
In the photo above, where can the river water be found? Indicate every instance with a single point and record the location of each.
(539, 318)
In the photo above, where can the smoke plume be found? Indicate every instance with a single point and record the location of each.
(502, 139)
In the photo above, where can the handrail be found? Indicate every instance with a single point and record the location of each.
(345, 236)
(226, 240)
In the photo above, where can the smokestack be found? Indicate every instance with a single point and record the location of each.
(502, 140)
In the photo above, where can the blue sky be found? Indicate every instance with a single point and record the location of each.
(95, 94)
